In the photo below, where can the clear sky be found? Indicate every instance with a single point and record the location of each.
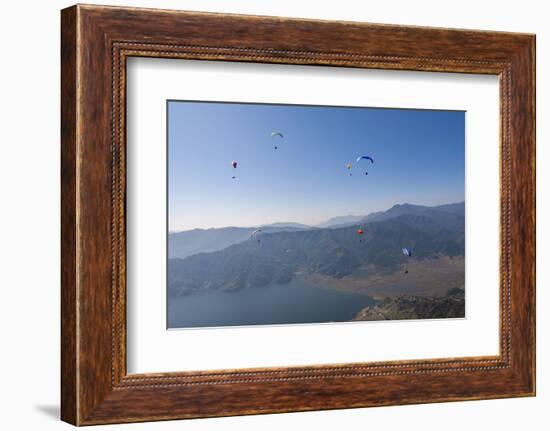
(418, 155)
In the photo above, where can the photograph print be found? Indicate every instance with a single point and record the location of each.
(299, 214)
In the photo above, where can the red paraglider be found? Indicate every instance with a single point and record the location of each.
(360, 232)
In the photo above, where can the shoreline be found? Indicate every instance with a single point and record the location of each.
(425, 278)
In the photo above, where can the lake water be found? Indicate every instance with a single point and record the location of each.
(295, 302)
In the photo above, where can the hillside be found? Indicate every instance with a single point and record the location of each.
(276, 257)
(190, 242)
(195, 241)
(444, 215)
(416, 307)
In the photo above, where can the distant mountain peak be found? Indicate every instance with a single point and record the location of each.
(286, 224)
(442, 215)
(340, 221)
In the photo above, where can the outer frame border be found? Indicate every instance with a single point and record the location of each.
(96, 41)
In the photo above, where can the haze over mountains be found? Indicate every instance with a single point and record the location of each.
(229, 259)
(190, 242)
(341, 221)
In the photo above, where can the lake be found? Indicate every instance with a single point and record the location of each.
(295, 302)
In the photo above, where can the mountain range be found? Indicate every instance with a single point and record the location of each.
(341, 221)
(190, 242)
(229, 259)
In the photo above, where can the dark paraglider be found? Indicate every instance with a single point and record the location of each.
(253, 234)
(276, 135)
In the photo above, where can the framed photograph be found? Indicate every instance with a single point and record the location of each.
(259, 224)
(264, 215)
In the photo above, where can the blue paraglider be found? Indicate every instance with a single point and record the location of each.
(365, 158)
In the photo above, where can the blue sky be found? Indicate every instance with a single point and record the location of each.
(418, 154)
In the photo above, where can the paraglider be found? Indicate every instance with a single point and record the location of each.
(360, 232)
(348, 167)
(256, 232)
(278, 135)
(407, 252)
(234, 164)
(365, 158)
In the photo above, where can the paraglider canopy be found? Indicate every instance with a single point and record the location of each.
(254, 233)
(276, 134)
(234, 164)
(407, 252)
(360, 231)
(365, 158)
